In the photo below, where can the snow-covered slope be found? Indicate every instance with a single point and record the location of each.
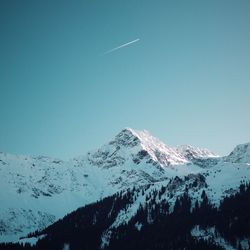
(240, 154)
(36, 191)
(136, 145)
(190, 152)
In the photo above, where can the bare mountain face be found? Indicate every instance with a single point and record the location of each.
(37, 191)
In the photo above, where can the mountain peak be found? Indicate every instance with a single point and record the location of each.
(130, 137)
(127, 137)
(191, 152)
(240, 154)
(157, 150)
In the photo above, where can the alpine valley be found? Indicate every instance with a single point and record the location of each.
(134, 193)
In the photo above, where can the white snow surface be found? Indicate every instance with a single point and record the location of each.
(37, 191)
(31, 240)
(240, 154)
(210, 233)
(191, 152)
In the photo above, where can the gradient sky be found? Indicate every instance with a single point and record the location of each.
(187, 81)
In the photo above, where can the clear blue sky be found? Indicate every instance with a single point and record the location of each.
(187, 81)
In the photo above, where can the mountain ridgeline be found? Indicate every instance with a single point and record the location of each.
(132, 193)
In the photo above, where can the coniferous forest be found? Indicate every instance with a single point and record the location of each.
(157, 226)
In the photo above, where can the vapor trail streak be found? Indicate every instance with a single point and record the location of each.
(121, 46)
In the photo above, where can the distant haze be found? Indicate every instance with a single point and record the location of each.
(187, 81)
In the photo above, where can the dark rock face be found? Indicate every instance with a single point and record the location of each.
(143, 154)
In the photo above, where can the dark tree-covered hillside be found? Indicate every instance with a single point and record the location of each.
(153, 227)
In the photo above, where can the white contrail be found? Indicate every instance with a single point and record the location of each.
(121, 46)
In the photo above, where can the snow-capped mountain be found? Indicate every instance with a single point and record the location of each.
(190, 152)
(241, 154)
(138, 146)
(37, 191)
